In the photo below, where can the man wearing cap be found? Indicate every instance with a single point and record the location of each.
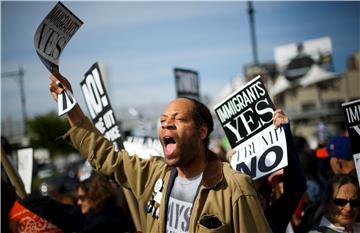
(341, 156)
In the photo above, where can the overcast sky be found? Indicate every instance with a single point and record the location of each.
(142, 42)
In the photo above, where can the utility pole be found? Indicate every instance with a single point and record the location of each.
(20, 75)
(251, 12)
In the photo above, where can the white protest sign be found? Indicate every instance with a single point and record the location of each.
(246, 117)
(25, 166)
(357, 164)
(262, 154)
(99, 106)
(51, 37)
(66, 102)
(144, 147)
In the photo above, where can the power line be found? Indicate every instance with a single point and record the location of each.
(19, 74)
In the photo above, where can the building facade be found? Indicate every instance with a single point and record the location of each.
(315, 101)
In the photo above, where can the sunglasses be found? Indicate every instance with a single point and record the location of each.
(343, 202)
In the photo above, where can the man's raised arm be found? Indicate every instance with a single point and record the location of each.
(58, 85)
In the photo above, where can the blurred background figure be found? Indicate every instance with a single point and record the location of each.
(341, 205)
(302, 220)
(97, 209)
(8, 194)
(220, 151)
(341, 156)
(281, 192)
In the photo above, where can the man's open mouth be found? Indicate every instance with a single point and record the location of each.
(169, 145)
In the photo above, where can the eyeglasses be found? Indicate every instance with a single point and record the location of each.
(343, 202)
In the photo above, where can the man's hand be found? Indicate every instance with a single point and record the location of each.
(280, 118)
(58, 85)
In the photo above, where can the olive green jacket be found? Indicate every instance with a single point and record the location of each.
(226, 200)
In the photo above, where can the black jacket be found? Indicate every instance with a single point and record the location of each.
(70, 219)
(279, 213)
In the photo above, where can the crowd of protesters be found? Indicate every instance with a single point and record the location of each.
(318, 191)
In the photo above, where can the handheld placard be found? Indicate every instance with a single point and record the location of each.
(246, 117)
(352, 121)
(98, 103)
(51, 37)
(187, 83)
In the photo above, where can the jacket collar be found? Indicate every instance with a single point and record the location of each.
(212, 175)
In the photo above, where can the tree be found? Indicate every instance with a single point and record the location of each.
(45, 132)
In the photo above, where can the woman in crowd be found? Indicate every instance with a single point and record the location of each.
(96, 210)
(341, 206)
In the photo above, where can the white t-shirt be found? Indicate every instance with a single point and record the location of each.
(180, 204)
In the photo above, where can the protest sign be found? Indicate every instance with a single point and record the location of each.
(25, 166)
(246, 117)
(51, 37)
(187, 83)
(352, 121)
(99, 106)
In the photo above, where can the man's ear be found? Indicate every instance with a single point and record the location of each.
(203, 131)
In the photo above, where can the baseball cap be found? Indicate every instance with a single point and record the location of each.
(340, 147)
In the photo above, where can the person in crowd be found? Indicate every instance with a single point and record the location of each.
(190, 189)
(341, 156)
(280, 192)
(302, 220)
(341, 204)
(341, 162)
(15, 218)
(96, 209)
(8, 198)
(97, 199)
(220, 151)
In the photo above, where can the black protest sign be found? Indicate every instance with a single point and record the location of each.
(246, 112)
(53, 33)
(187, 83)
(352, 120)
(246, 117)
(51, 37)
(98, 104)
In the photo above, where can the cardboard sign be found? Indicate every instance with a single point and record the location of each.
(99, 106)
(246, 117)
(187, 83)
(25, 166)
(66, 101)
(51, 37)
(53, 33)
(352, 120)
